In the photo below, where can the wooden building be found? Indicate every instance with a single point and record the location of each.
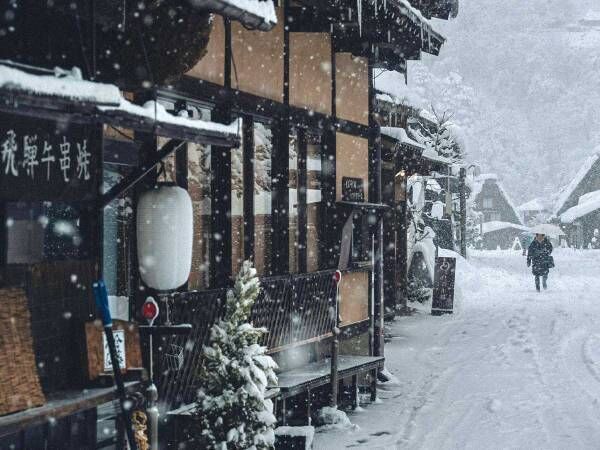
(501, 222)
(578, 205)
(284, 168)
(415, 182)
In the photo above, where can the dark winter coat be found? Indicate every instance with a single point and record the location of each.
(538, 256)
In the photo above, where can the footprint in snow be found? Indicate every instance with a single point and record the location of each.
(494, 405)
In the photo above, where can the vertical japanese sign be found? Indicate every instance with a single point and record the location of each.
(120, 345)
(47, 160)
(443, 286)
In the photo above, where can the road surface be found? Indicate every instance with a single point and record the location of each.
(511, 369)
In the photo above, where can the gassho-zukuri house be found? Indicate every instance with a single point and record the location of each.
(578, 205)
(262, 113)
(500, 220)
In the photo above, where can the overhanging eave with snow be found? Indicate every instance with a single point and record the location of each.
(254, 14)
(390, 32)
(69, 98)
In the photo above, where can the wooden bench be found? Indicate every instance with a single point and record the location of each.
(311, 376)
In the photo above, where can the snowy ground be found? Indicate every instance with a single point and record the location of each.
(512, 369)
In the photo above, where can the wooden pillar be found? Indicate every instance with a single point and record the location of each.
(220, 160)
(280, 199)
(375, 196)
(330, 229)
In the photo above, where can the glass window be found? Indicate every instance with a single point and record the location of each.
(488, 202)
(293, 206)
(313, 199)
(263, 148)
(45, 231)
(237, 207)
(118, 223)
(199, 190)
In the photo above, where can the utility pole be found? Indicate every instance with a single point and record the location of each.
(463, 212)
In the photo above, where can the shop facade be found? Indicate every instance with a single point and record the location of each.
(272, 134)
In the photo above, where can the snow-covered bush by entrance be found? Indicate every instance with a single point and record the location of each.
(232, 412)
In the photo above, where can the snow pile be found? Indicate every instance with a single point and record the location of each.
(232, 411)
(568, 190)
(588, 203)
(332, 418)
(64, 84)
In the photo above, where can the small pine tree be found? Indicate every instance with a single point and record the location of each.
(232, 412)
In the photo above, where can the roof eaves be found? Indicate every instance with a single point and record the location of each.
(255, 14)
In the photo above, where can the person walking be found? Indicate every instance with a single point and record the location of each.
(539, 257)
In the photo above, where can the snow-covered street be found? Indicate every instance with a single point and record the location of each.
(512, 368)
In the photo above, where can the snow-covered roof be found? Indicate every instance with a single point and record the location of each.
(63, 84)
(431, 155)
(393, 84)
(477, 185)
(105, 103)
(588, 203)
(400, 135)
(154, 111)
(253, 13)
(496, 225)
(533, 205)
(487, 176)
(566, 192)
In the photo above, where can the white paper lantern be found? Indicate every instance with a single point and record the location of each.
(165, 230)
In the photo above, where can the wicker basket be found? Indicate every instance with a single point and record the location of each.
(19, 382)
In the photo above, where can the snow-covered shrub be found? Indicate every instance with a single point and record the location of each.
(232, 412)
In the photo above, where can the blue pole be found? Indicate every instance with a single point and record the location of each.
(101, 297)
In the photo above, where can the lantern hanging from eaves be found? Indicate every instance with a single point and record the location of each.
(164, 237)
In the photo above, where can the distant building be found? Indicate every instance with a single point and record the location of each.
(534, 211)
(578, 205)
(500, 220)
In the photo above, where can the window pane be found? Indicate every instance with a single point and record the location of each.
(44, 231)
(263, 147)
(313, 200)
(293, 207)
(199, 190)
(237, 208)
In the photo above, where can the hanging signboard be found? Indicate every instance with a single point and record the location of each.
(352, 190)
(443, 286)
(47, 160)
(119, 336)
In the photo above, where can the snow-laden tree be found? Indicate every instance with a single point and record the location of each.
(437, 133)
(473, 224)
(232, 412)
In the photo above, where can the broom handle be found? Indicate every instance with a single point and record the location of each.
(102, 305)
